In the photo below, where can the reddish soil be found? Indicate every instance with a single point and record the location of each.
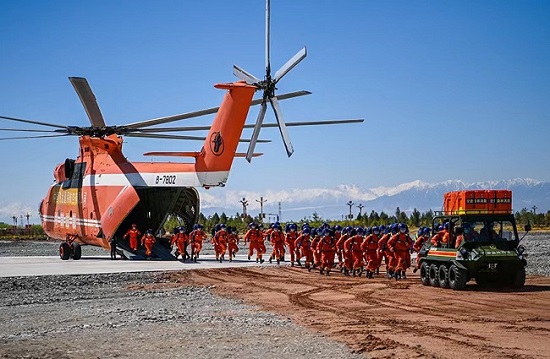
(384, 318)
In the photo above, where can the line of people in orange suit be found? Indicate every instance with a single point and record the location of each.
(358, 250)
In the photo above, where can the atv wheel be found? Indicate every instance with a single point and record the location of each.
(64, 251)
(457, 277)
(77, 251)
(443, 276)
(424, 273)
(519, 278)
(432, 275)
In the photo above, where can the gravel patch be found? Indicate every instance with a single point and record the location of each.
(116, 316)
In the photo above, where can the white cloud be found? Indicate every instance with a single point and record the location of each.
(8, 210)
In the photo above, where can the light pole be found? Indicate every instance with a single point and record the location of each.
(350, 204)
(360, 205)
(244, 203)
(261, 202)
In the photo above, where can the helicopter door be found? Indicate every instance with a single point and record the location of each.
(117, 211)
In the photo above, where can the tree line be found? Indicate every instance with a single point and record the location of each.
(416, 219)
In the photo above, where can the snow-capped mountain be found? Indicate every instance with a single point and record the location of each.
(332, 203)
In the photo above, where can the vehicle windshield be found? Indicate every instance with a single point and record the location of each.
(488, 231)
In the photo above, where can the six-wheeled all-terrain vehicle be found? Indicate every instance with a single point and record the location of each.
(478, 239)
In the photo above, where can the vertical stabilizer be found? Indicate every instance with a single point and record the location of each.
(216, 156)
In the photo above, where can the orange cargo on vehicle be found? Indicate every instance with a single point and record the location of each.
(478, 201)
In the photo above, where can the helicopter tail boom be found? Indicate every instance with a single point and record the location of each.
(219, 148)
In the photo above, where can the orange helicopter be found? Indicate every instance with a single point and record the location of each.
(97, 196)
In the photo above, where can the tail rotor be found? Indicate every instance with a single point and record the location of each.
(269, 85)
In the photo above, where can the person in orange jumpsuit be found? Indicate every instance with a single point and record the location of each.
(220, 242)
(370, 250)
(399, 244)
(232, 243)
(290, 239)
(134, 234)
(337, 235)
(316, 238)
(196, 237)
(278, 243)
(442, 237)
(255, 240)
(304, 248)
(181, 239)
(383, 251)
(419, 243)
(327, 247)
(148, 240)
(340, 249)
(352, 247)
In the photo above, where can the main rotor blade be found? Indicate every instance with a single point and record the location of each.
(244, 75)
(34, 122)
(290, 64)
(25, 130)
(88, 100)
(178, 137)
(30, 137)
(183, 116)
(267, 39)
(282, 126)
(168, 137)
(256, 132)
(264, 125)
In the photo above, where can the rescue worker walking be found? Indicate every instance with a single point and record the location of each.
(220, 243)
(232, 243)
(290, 239)
(181, 239)
(148, 240)
(196, 238)
(399, 244)
(419, 243)
(370, 250)
(134, 234)
(316, 234)
(327, 247)
(277, 241)
(384, 252)
(352, 247)
(304, 248)
(255, 240)
(340, 249)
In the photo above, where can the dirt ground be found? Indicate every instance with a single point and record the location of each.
(383, 318)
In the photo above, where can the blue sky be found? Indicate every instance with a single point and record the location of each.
(448, 89)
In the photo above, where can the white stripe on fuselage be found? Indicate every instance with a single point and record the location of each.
(168, 179)
(67, 221)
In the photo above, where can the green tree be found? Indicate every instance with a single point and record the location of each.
(415, 218)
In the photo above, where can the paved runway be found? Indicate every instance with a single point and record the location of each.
(37, 266)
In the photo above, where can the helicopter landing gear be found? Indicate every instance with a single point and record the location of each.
(70, 248)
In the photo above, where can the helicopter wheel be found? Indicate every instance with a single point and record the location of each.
(77, 251)
(64, 251)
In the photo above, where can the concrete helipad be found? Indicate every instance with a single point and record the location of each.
(37, 266)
